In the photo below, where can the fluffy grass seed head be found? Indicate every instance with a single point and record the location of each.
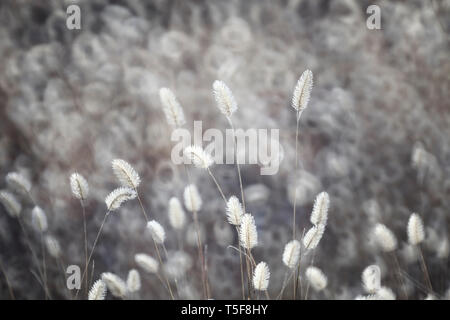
(313, 236)
(133, 281)
(261, 276)
(98, 290)
(248, 235)
(53, 247)
(302, 92)
(415, 229)
(224, 98)
(371, 278)
(157, 231)
(125, 173)
(171, 108)
(18, 183)
(192, 200)
(199, 157)
(319, 213)
(9, 201)
(291, 254)
(115, 284)
(317, 279)
(147, 263)
(234, 211)
(39, 219)
(177, 217)
(385, 293)
(118, 196)
(384, 237)
(79, 186)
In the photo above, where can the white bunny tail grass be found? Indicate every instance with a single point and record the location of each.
(177, 217)
(234, 211)
(172, 108)
(39, 219)
(118, 196)
(133, 281)
(198, 157)
(125, 173)
(291, 254)
(384, 238)
(157, 231)
(302, 92)
(248, 235)
(18, 183)
(9, 201)
(192, 200)
(53, 247)
(224, 98)
(147, 263)
(313, 236)
(319, 213)
(79, 186)
(316, 278)
(371, 278)
(98, 290)
(416, 233)
(261, 276)
(115, 284)
(385, 293)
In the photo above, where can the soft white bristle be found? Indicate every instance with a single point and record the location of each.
(316, 278)
(319, 214)
(248, 235)
(416, 233)
(39, 219)
(53, 247)
(115, 284)
(157, 231)
(302, 92)
(261, 276)
(177, 217)
(79, 186)
(115, 199)
(224, 98)
(371, 278)
(291, 254)
(98, 290)
(192, 199)
(198, 156)
(13, 207)
(147, 263)
(234, 211)
(384, 237)
(385, 293)
(133, 281)
(125, 173)
(18, 182)
(172, 108)
(313, 236)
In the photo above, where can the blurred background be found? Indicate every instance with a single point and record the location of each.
(73, 100)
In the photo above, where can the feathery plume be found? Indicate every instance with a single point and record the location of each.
(125, 173)
(157, 231)
(198, 156)
(115, 199)
(416, 233)
(261, 276)
(371, 278)
(316, 278)
(313, 236)
(192, 199)
(12, 206)
(291, 254)
(319, 214)
(224, 98)
(53, 247)
(177, 217)
(133, 281)
(147, 263)
(79, 186)
(39, 219)
(234, 211)
(385, 293)
(172, 108)
(98, 290)
(385, 238)
(247, 233)
(18, 183)
(302, 92)
(115, 284)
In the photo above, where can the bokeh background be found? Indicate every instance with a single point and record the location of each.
(73, 100)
